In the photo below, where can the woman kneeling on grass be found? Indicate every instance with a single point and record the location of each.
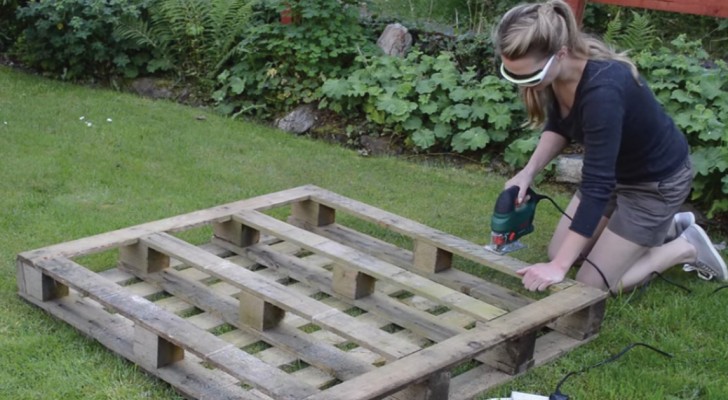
(636, 171)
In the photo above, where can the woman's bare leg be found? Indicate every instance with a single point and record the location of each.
(563, 227)
(625, 264)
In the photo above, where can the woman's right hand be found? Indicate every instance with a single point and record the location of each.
(523, 180)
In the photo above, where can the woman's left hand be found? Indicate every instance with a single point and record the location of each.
(541, 276)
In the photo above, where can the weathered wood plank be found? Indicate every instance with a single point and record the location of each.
(511, 357)
(578, 327)
(127, 236)
(418, 231)
(175, 330)
(116, 333)
(277, 294)
(477, 380)
(455, 279)
(243, 263)
(444, 355)
(370, 265)
(326, 357)
(378, 303)
(711, 8)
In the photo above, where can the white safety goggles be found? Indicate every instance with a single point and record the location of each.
(527, 80)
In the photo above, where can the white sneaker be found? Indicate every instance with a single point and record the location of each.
(709, 264)
(681, 221)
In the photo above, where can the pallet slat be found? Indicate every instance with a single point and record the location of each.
(127, 236)
(370, 265)
(174, 329)
(277, 294)
(284, 336)
(307, 309)
(448, 353)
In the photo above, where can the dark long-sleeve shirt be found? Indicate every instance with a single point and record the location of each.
(627, 136)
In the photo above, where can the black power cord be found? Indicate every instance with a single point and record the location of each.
(561, 210)
(646, 283)
(604, 278)
(558, 395)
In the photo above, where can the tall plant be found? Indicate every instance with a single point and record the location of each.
(279, 65)
(193, 37)
(10, 27)
(73, 39)
(429, 102)
(694, 90)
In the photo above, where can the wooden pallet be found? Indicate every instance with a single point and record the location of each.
(308, 308)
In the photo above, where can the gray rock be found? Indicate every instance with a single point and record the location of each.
(152, 88)
(568, 168)
(377, 146)
(298, 121)
(395, 40)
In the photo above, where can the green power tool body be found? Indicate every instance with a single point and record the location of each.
(511, 221)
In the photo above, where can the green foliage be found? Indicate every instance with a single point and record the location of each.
(468, 50)
(281, 65)
(464, 15)
(73, 38)
(695, 92)
(192, 37)
(428, 101)
(10, 27)
(635, 33)
(519, 151)
(710, 31)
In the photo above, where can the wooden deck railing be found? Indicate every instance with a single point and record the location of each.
(711, 8)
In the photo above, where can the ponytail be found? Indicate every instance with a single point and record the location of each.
(541, 30)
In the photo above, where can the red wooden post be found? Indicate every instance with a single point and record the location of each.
(286, 16)
(578, 7)
(711, 8)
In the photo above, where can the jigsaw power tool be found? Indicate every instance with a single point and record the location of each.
(511, 221)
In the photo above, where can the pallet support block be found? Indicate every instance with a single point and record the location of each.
(430, 259)
(436, 387)
(583, 323)
(308, 214)
(258, 313)
(328, 317)
(142, 259)
(236, 233)
(153, 351)
(512, 356)
(351, 283)
(38, 285)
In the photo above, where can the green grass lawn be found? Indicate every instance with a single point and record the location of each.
(142, 160)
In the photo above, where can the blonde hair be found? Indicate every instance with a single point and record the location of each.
(541, 30)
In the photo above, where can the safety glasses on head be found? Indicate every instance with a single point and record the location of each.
(527, 80)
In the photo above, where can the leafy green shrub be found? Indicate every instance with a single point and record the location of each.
(429, 102)
(10, 27)
(631, 33)
(195, 38)
(73, 38)
(695, 92)
(277, 66)
(468, 50)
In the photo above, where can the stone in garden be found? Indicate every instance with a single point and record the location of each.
(298, 121)
(395, 40)
(152, 88)
(377, 146)
(568, 168)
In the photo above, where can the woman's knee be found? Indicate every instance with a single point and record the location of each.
(588, 275)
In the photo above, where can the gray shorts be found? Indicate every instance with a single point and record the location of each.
(642, 212)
